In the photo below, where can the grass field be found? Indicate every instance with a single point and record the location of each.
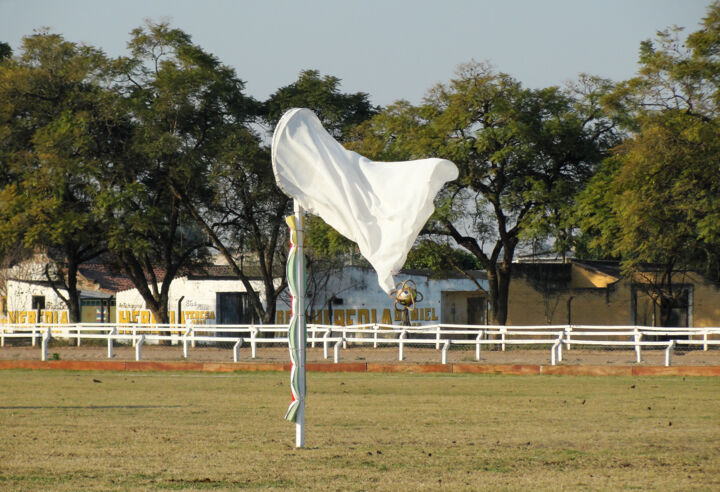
(180, 431)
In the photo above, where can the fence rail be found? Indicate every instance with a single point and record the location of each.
(441, 337)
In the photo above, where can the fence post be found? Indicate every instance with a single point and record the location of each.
(110, 347)
(236, 350)
(253, 343)
(477, 345)
(375, 335)
(401, 344)
(502, 337)
(638, 336)
(336, 352)
(45, 340)
(668, 353)
(325, 343)
(188, 332)
(189, 325)
(138, 347)
(559, 349)
(445, 348)
(437, 337)
(568, 336)
(705, 339)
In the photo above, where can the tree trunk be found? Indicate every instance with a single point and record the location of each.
(499, 292)
(73, 294)
(254, 299)
(160, 311)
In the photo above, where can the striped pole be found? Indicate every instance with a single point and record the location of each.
(297, 334)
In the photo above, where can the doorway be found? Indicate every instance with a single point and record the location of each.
(233, 308)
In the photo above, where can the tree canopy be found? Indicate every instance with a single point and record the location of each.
(657, 199)
(55, 135)
(522, 154)
(655, 204)
(159, 157)
(185, 109)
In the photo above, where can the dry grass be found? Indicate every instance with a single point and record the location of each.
(159, 431)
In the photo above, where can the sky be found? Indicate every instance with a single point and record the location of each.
(390, 49)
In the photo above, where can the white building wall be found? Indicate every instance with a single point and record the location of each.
(199, 303)
(363, 301)
(20, 294)
(19, 304)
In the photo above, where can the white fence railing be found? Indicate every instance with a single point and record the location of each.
(440, 337)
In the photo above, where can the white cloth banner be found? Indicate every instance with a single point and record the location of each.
(382, 206)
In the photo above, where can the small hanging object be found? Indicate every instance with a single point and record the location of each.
(405, 296)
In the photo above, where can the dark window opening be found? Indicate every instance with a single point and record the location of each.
(38, 303)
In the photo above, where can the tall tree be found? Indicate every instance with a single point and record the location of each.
(521, 153)
(339, 112)
(247, 211)
(658, 198)
(185, 107)
(55, 133)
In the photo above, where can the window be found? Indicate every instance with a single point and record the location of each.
(234, 308)
(650, 309)
(38, 303)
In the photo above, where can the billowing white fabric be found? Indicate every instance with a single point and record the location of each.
(380, 205)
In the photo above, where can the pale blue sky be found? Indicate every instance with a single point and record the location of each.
(391, 49)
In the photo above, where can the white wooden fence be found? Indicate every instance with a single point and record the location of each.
(440, 337)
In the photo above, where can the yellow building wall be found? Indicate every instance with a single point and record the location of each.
(611, 305)
(705, 304)
(588, 306)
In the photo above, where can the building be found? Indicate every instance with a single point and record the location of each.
(212, 296)
(30, 297)
(352, 296)
(595, 293)
(541, 293)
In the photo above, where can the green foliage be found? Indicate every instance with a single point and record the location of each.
(187, 112)
(5, 51)
(338, 112)
(55, 130)
(522, 155)
(321, 239)
(439, 257)
(657, 200)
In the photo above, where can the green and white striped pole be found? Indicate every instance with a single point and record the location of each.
(297, 332)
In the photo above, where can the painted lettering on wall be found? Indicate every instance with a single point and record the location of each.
(145, 316)
(355, 316)
(31, 317)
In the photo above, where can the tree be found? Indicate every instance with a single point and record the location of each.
(433, 255)
(185, 108)
(55, 133)
(656, 205)
(339, 112)
(521, 153)
(5, 51)
(247, 211)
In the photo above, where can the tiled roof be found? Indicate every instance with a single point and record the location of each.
(226, 271)
(106, 278)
